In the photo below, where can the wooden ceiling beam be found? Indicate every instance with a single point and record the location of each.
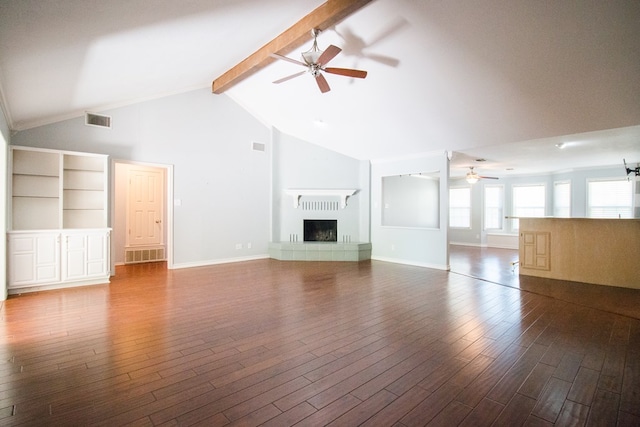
(325, 16)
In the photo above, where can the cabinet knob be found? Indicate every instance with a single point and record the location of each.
(158, 221)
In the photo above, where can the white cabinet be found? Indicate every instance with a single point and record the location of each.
(85, 255)
(34, 258)
(58, 259)
(58, 233)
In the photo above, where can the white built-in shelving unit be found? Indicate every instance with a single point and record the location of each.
(58, 234)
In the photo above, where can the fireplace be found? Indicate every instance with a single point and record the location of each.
(320, 230)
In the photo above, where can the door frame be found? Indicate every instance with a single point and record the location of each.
(168, 205)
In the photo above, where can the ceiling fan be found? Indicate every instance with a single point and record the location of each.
(473, 177)
(316, 60)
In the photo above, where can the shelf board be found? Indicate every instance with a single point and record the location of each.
(34, 197)
(39, 175)
(296, 193)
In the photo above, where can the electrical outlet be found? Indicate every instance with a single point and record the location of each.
(238, 246)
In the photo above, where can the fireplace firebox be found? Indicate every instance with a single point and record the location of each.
(320, 230)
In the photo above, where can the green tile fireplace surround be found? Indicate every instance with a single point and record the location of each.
(319, 251)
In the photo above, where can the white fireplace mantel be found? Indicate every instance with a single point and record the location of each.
(296, 193)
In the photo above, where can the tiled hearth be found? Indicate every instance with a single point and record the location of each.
(325, 251)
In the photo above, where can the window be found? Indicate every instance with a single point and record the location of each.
(493, 207)
(528, 201)
(562, 199)
(609, 199)
(460, 207)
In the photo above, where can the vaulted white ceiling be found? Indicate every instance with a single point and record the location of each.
(503, 80)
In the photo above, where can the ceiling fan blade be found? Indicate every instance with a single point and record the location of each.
(328, 54)
(346, 72)
(322, 83)
(284, 58)
(488, 177)
(284, 79)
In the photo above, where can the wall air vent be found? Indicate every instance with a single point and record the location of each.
(99, 120)
(257, 146)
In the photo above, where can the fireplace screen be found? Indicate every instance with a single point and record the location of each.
(320, 230)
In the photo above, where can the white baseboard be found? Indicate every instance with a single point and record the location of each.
(503, 241)
(473, 245)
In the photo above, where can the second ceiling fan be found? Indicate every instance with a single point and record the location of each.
(473, 177)
(316, 60)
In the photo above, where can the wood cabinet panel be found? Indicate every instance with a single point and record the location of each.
(535, 250)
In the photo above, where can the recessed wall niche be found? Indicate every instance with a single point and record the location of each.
(411, 200)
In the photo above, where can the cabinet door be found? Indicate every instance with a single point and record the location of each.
(86, 255)
(75, 251)
(34, 258)
(98, 254)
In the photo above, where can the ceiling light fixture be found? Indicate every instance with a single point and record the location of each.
(560, 145)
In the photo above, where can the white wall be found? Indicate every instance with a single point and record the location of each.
(428, 247)
(222, 185)
(299, 164)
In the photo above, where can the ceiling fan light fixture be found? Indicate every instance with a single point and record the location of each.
(472, 178)
(311, 56)
(315, 61)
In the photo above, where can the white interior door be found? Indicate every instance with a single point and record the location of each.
(146, 207)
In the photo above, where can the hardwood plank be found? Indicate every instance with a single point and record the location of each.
(612, 374)
(536, 381)
(515, 377)
(568, 367)
(630, 396)
(451, 415)
(246, 407)
(533, 421)
(364, 410)
(488, 379)
(573, 414)
(604, 408)
(330, 412)
(484, 414)
(551, 400)
(431, 406)
(378, 383)
(627, 419)
(584, 386)
(255, 418)
(516, 412)
(292, 416)
(397, 409)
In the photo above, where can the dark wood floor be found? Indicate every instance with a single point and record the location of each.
(500, 266)
(283, 343)
(494, 265)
